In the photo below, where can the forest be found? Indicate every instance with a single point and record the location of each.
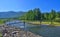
(37, 15)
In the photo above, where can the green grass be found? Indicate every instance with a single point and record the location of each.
(1, 22)
(45, 23)
(0, 35)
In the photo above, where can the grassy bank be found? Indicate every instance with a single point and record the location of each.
(2, 21)
(0, 35)
(43, 23)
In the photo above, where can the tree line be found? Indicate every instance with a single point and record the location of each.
(37, 15)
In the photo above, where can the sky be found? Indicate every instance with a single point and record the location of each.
(25, 5)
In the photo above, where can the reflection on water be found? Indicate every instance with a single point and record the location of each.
(46, 31)
(43, 30)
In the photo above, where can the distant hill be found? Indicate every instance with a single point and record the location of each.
(11, 14)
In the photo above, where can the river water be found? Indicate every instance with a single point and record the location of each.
(43, 30)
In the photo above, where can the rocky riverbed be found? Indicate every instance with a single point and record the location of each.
(8, 31)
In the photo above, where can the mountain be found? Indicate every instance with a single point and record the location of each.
(11, 14)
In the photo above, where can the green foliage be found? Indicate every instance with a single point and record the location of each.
(53, 14)
(46, 16)
(32, 15)
(58, 14)
(1, 21)
(37, 15)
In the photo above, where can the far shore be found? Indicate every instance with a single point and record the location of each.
(38, 23)
(42, 23)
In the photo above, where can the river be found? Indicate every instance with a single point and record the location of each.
(43, 30)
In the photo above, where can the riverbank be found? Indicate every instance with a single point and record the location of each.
(0, 34)
(42, 23)
(16, 32)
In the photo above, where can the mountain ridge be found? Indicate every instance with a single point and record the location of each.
(11, 14)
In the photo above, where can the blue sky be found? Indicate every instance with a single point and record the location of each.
(24, 5)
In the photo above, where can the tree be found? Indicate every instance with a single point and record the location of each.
(37, 14)
(58, 14)
(30, 15)
(52, 15)
(46, 16)
(43, 16)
